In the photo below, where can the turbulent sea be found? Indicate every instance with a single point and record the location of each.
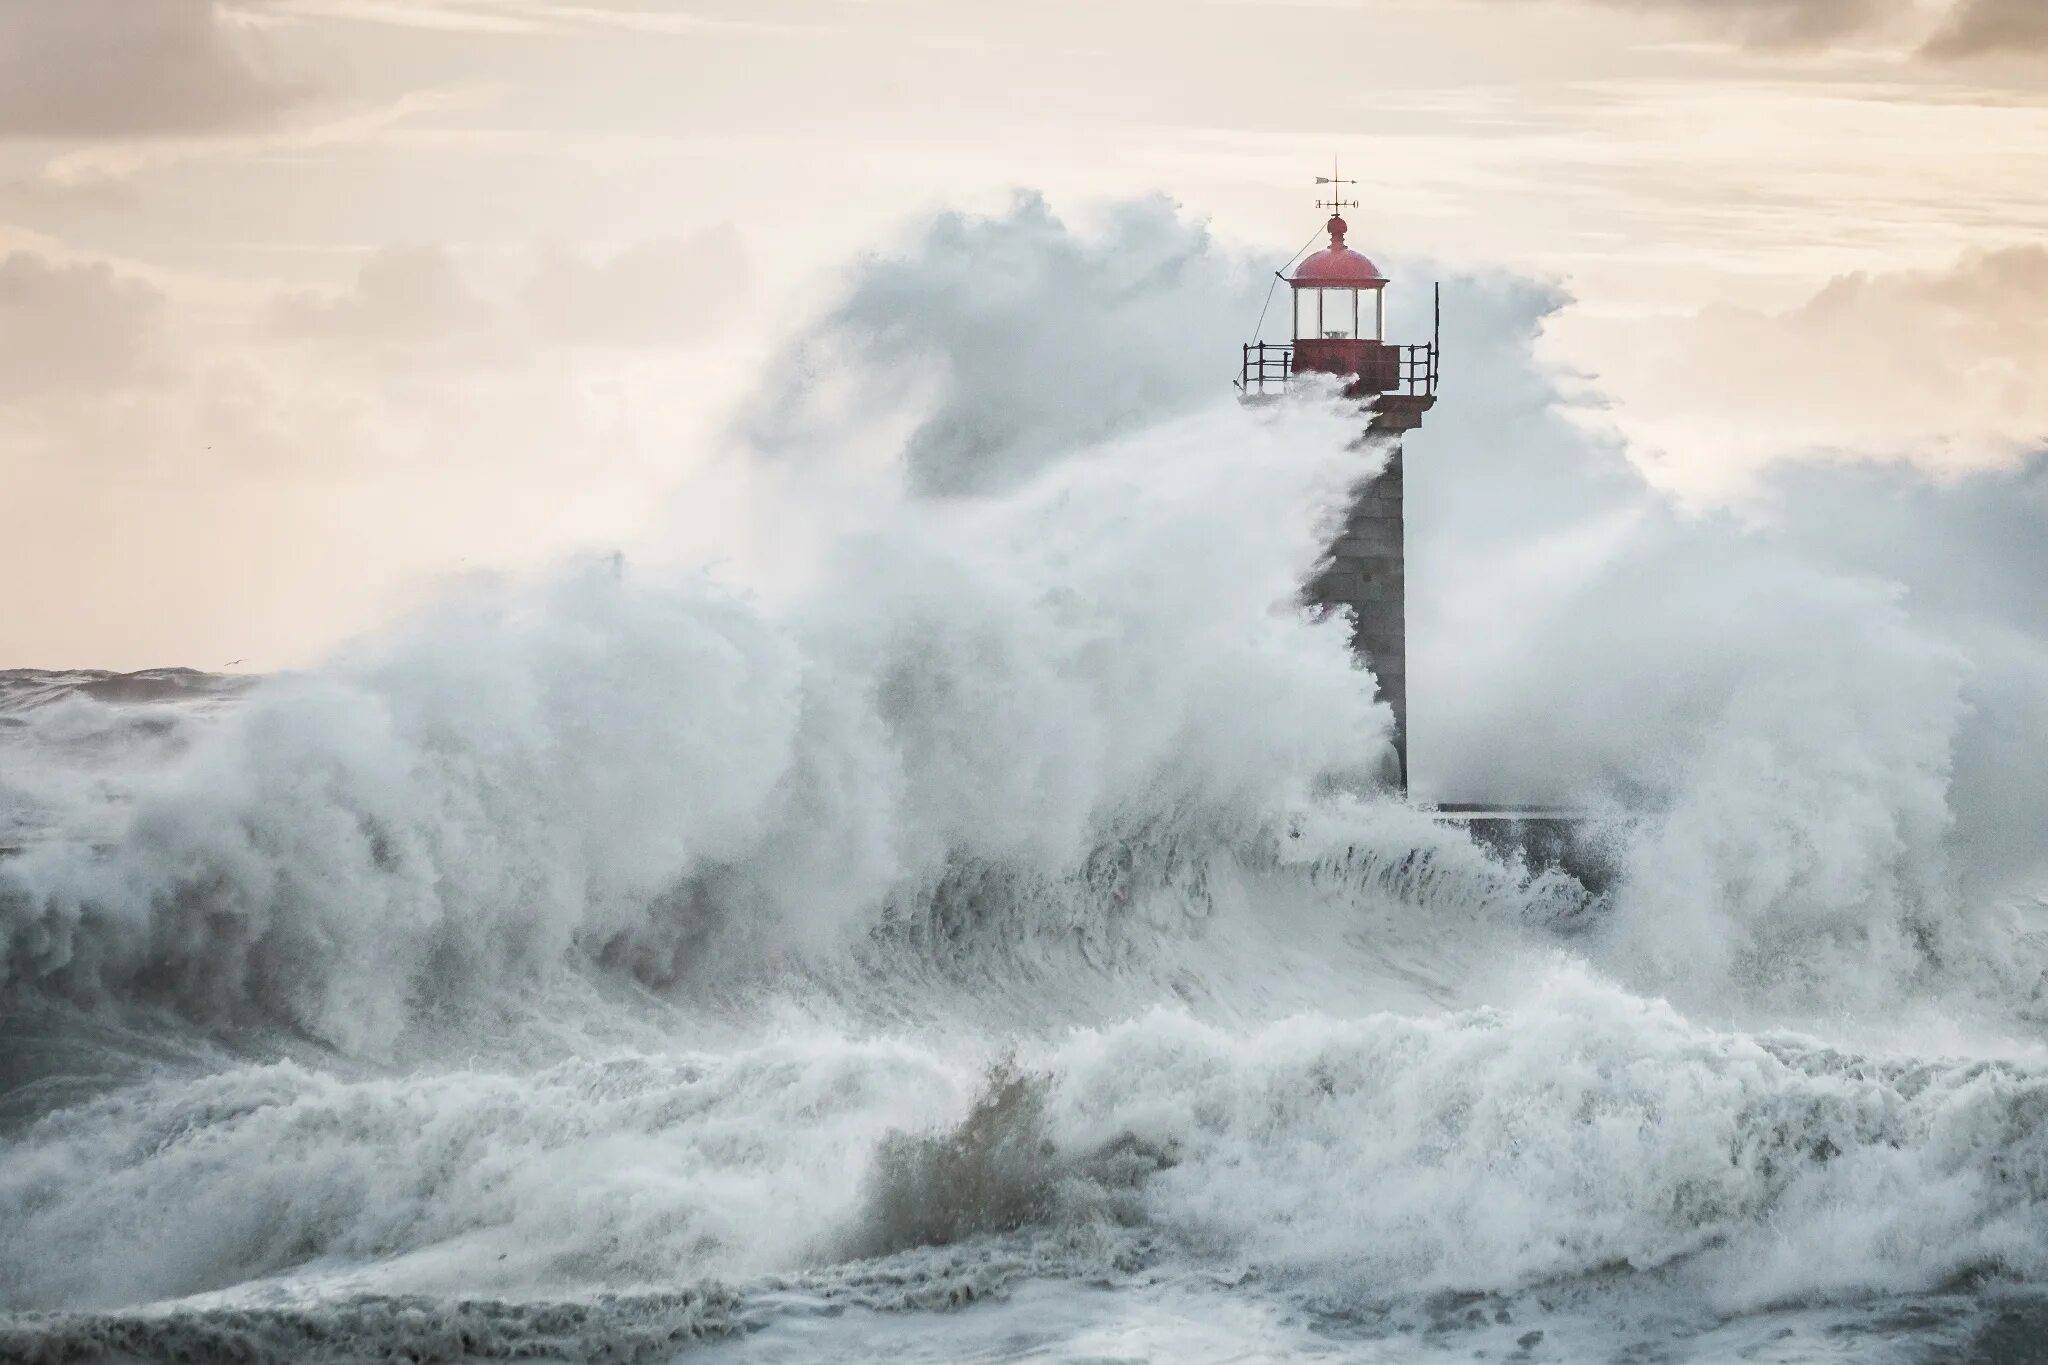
(991, 946)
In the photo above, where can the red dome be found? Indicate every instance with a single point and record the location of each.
(1338, 266)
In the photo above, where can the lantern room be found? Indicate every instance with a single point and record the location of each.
(1339, 295)
(1340, 314)
(1339, 327)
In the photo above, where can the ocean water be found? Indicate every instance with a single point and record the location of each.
(990, 947)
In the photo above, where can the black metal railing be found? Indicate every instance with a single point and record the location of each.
(1418, 370)
(1405, 371)
(1268, 367)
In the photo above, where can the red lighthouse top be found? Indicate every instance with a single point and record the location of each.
(1337, 266)
(1339, 328)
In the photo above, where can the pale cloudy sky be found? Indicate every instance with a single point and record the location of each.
(303, 302)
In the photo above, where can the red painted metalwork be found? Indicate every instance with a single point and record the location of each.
(1399, 380)
(1377, 365)
(1337, 266)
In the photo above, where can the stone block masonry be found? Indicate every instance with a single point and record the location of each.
(1367, 578)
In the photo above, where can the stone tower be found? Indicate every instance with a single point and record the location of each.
(1367, 577)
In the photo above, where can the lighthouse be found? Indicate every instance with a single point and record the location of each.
(1339, 328)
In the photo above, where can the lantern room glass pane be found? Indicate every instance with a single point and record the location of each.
(1340, 313)
(1372, 314)
(1307, 314)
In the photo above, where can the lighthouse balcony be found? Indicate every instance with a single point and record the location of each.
(1407, 373)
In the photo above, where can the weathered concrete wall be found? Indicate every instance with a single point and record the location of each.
(1367, 576)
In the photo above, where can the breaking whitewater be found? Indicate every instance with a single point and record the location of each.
(979, 939)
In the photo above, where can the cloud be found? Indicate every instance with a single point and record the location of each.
(430, 15)
(673, 292)
(546, 17)
(1775, 23)
(654, 295)
(38, 195)
(160, 446)
(1978, 27)
(1788, 23)
(132, 68)
(1942, 365)
(402, 294)
(68, 329)
(1966, 28)
(103, 170)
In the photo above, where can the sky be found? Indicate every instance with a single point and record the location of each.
(308, 304)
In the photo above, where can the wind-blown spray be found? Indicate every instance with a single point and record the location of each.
(595, 964)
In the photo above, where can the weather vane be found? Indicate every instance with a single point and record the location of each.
(1336, 203)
